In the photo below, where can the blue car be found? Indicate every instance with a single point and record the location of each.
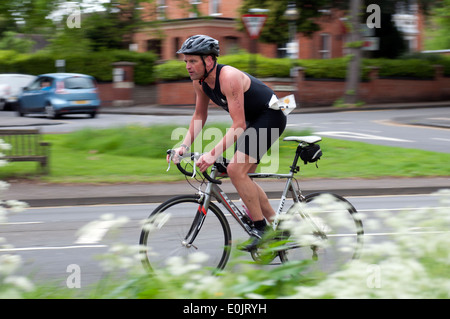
(56, 94)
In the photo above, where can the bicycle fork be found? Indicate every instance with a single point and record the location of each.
(196, 225)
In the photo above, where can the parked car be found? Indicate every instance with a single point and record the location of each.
(11, 86)
(56, 94)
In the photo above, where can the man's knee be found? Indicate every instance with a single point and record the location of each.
(234, 170)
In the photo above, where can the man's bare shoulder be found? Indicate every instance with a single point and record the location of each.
(231, 74)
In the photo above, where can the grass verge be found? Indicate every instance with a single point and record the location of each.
(136, 154)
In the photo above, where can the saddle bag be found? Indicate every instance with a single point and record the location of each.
(311, 153)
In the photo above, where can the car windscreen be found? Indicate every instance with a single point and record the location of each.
(78, 83)
(15, 81)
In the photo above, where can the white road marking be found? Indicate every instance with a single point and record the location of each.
(50, 248)
(96, 232)
(21, 223)
(361, 136)
(441, 139)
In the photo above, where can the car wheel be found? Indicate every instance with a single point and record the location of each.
(93, 114)
(20, 111)
(50, 112)
(2, 105)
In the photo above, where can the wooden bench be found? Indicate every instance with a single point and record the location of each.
(26, 146)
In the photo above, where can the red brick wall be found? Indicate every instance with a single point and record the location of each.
(111, 95)
(325, 92)
(376, 91)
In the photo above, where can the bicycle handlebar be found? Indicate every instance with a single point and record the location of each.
(193, 156)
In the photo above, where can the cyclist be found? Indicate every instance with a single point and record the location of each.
(255, 127)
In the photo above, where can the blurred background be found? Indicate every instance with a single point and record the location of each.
(314, 49)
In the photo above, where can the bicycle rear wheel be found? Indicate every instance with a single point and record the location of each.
(325, 228)
(179, 227)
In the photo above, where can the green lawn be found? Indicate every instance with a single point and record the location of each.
(137, 154)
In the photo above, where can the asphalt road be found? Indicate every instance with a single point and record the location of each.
(398, 128)
(49, 243)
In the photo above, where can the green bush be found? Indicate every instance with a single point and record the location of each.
(432, 58)
(171, 70)
(97, 64)
(325, 68)
(314, 68)
(414, 68)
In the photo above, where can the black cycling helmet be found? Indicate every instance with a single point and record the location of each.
(200, 45)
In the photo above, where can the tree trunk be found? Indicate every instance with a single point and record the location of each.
(354, 65)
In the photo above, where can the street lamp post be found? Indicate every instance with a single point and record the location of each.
(291, 14)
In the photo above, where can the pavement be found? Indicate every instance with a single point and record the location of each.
(38, 194)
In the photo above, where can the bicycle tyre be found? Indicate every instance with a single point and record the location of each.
(339, 240)
(162, 235)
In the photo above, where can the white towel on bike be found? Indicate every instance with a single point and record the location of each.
(286, 104)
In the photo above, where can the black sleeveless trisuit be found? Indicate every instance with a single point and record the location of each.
(264, 125)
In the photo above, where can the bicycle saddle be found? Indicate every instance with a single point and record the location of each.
(306, 139)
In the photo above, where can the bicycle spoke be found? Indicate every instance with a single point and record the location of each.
(324, 230)
(173, 229)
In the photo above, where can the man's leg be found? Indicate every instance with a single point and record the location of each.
(249, 192)
(266, 209)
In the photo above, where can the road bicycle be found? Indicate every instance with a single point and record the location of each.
(323, 228)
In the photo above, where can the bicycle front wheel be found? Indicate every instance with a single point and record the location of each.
(325, 229)
(180, 227)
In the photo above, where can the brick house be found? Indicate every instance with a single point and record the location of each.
(179, 19)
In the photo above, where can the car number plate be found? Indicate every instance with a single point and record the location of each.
(81, 102)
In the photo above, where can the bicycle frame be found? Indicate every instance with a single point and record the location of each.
(213, 190)
(305, 214)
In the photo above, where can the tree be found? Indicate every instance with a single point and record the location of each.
(439, 31)
(354, 65)
(27, 16)
(11, 41)
(275, 29)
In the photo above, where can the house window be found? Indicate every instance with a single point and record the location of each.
(214, 8)
(161, 8)
(155, 46)
(325, 46)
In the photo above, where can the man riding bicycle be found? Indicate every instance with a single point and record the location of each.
(255, 126)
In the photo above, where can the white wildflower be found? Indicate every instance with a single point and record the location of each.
(16, 206)
(4, 186)
(9, 264)
(20, 282)
(4, 146)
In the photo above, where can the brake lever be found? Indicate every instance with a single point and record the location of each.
(172, 153)
(195, 157)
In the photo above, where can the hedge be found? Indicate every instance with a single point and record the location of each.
(97, 64)
(315, 68)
